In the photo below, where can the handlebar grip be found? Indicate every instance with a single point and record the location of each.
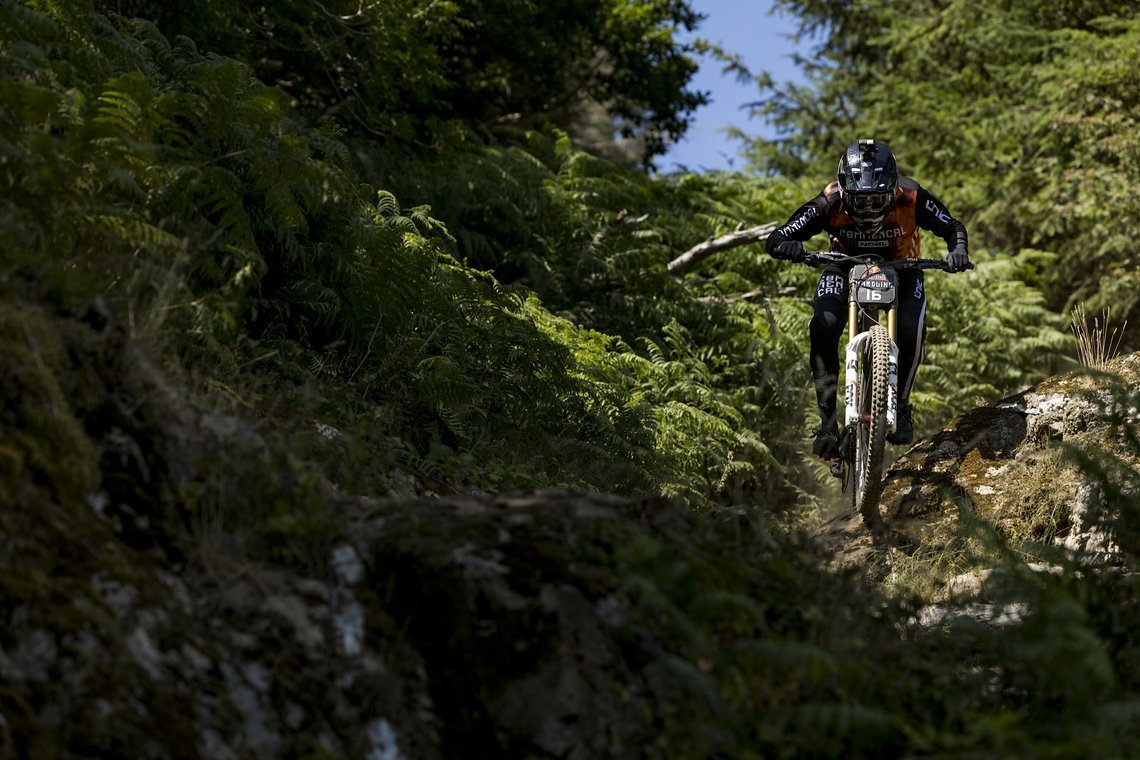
(816, 259)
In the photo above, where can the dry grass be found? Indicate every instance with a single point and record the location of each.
(1096, 344)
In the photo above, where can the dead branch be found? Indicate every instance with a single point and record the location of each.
(733, 239)
(623, 221)
(764, 294)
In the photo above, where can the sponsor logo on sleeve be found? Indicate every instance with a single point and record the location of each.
(939, 213)
(797, 224)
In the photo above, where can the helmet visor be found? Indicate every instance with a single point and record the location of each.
(869, 202)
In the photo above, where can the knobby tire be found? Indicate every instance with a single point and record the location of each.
(871, 430)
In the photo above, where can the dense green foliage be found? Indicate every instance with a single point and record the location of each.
(386, 284)
(518, 329)
(1022, 115)
(397, 71)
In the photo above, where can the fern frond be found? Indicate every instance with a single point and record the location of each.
(136, 232)
(124, 106)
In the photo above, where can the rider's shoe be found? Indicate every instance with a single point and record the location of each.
(826, 444)
(904, 425)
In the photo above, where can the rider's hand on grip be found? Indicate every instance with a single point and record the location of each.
(959, 259)
(791, 250)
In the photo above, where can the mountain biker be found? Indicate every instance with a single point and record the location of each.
(869, 208)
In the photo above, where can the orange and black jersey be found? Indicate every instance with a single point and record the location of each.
(898, 238)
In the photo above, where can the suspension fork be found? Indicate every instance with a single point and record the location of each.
(851, 387)
(851, 384)
(892, 372)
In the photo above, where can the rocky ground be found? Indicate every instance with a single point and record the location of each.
(1013, 465)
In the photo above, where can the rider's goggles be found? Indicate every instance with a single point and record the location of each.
(869, 201)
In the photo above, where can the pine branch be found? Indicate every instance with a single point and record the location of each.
(701, 251)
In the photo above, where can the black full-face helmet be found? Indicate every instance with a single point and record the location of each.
(868, 180)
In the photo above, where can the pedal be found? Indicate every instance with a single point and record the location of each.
(844, 444)
(839, 466)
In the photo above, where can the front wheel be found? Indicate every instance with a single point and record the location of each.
(871, 424)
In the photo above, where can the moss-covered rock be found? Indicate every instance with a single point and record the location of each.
(179, 583)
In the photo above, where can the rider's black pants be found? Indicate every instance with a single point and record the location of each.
(828, 328)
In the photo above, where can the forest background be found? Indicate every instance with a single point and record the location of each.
(450, 225)
(429, 238)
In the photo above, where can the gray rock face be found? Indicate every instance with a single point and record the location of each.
(501, 601)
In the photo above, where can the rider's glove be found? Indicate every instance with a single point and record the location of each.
(959, 259)
(790, 250)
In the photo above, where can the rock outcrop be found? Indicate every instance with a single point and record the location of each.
(1015, 466)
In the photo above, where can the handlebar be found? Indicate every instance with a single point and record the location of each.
(824, 259)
